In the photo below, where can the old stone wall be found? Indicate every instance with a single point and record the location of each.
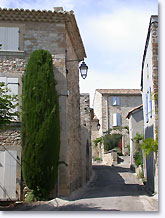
(10, 140)
(97, 105)
(104, 110)
(85, 115)
(127, 103)
(73, 119)
(54, 38)
(110, 158)
(154, 41)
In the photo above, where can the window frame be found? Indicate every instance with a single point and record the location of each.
(21, 36)
(19, 77)
(115, 101)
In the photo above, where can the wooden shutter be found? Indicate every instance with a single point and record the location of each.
(3, 38)
(114, 119)
(13, 88)
(118, 100)
(8, 174)
(146, 107)
(114, 101)
(149, 102)
(3, 79)
(2, 164)
(118, 120)
(9, 38)
(13, 85)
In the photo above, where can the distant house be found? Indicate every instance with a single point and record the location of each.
(149, 88)
(111, 107)
(21, 33)
(136, 125)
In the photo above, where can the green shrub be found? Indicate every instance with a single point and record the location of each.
(30, 197)
(97, 158)
(138, 157)
(111, 141)
(40, 131)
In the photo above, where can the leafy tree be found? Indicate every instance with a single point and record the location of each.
(8, 103)
(97, 141)
(40, 132)
(111, 141)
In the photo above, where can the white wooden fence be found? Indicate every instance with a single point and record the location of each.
(8, 175)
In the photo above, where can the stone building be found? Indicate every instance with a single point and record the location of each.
(111, 107)
(86, 135)
(21, 33)
(136, 125)
(149, 88)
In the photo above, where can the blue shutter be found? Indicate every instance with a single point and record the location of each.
(118, 120)
(118, 101)
(146, 107)
(114, 119)
(149, 102)
(114, 101)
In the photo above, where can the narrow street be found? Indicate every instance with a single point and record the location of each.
(113, 188)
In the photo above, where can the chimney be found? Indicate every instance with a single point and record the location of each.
(58, 9)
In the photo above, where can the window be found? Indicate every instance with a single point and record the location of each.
(146, 107)
(13, 87)
(149, 102)
(9, 38)
(116, 119)
(115, 100)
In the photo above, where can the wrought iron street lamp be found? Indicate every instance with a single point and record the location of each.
(83, 70)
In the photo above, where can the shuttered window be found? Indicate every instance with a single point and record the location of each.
(115, 100)
(13, 88)
(8, 174)
(146, 107)
(149, 102)
(116, 119)
(9, 38)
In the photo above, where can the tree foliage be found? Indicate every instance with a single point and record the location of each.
(8, 103)
(111, 141)
(40, 132)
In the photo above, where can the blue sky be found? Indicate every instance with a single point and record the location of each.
(113, 33)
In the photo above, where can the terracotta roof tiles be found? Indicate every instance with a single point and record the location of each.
(119, 91)
(32, 15)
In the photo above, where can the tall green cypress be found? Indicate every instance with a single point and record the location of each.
(40, 132)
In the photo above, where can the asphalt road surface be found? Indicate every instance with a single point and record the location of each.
(113, 188)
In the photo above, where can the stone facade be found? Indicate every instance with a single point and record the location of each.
(149, 87)
(86, 136)
(105, 108)
(58, 33)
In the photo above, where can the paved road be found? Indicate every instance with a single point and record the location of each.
(113, 188)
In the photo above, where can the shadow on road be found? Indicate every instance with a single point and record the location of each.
(109, 183)
(83, 207)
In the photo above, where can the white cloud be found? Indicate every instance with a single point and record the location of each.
(123, 30)
(109, 80)
(38, 4)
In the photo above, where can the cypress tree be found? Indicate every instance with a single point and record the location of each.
(40, 132)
